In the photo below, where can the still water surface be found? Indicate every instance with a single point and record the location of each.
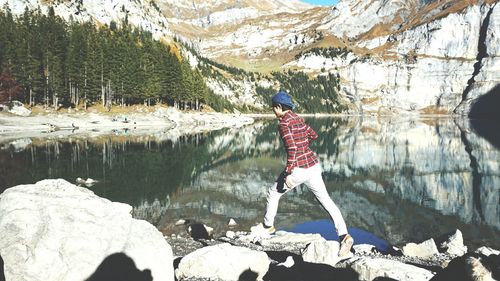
(395, 180)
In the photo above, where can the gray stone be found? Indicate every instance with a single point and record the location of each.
(288, 238)
(232, 222)
(289, 262)
(19, 109)
(54, 230)
(371, 268)
(363, 249)
(454, 245)
(425, 249)
(487, 251)
(325, 252)
(222, 262)
(230, 234)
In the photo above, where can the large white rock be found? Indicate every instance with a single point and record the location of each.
(371, 268)
(222, 262)
(19, 109)
(54, 230)
(325, 252)
(363, 249)
(423, 250)
(284, 238)
(454, 245)
(487, 251)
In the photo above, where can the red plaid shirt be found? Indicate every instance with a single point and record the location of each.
(296, 136)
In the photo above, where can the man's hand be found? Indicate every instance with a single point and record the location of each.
(278, 111)
(281, 185)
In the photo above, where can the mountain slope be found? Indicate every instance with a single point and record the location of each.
(427, 57)
(393, 56)
(140, 13)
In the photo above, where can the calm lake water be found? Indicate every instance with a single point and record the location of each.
(395, 180)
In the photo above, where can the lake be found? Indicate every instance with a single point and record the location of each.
(396, 180)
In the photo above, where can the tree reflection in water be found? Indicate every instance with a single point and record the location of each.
(400, 179)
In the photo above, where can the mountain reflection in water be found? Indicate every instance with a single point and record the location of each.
(399, 179)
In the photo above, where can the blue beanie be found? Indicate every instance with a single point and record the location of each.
(283, 98)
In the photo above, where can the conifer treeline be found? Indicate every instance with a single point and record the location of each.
(319, 94)
(72, 63)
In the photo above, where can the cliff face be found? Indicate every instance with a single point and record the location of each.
(404, 57)
(443, 66)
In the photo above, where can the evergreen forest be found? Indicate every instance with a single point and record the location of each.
(45, 60)
(311, 95)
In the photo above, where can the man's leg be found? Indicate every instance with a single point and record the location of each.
(273, 198)
(317, 186)
(277, 190)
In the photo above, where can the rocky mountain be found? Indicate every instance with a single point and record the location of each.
(417, 57)
(427, 57)
(215, 12)
(442, 59)
(140, 13)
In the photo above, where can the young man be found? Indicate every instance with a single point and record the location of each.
(302, 167)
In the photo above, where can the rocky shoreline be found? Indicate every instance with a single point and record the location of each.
(295, 256)
(137, 122)
(85, 237)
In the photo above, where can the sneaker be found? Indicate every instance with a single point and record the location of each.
(260, 228)
(346, 245)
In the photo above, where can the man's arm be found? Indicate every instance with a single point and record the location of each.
(311, 134)
(291, 148)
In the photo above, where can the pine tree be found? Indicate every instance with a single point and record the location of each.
(9, 88)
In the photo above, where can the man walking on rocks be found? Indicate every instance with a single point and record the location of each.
(302, 167)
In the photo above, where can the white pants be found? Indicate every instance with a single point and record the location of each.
(312, 178)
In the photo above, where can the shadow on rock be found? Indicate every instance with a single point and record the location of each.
(2, 274)
(301, 270)
(471, 267)
(485, 115)
(248, 275)
(119, 267)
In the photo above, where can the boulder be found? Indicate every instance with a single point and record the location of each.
(371, 268)
(223, 262)
(454, 245)
(54, 230)
(471, 266)
(19, 109)
(232, 222)
(230, 234)
(364, 249)
(283, 238)
(487, 251)
(325, 252)
(425, 249)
